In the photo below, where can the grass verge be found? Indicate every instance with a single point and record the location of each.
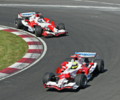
(12, 48)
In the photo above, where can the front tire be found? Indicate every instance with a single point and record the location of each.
(81, 80)
(48, 76)
(38, 31)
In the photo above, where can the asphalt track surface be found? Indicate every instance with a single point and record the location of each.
(89, 30)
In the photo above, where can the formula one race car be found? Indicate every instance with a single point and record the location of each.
(36, 23)
(74, 72)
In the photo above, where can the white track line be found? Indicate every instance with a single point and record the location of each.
(99, 2)
(59, 6)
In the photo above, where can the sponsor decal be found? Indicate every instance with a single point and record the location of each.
(27, 14)
(85, 54)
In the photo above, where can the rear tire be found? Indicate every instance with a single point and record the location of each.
(18, 23)
(61, 26)
(48, 76)
(81, 80)
(100, 65)
(38, 31)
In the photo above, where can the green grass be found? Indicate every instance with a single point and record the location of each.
(12, 48)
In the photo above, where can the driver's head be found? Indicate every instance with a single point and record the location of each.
(74, 65)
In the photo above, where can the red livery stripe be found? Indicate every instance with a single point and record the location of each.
(33, 43)
(9, 70)
(20, 15)
(25, 36)
(35, 51)
(26, 60)
(10, 30)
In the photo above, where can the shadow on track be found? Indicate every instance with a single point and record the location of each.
(65, 90)
(95, 74)
(56, 36)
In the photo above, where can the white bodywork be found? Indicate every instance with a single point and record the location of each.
(63, 82)
(41, 23)
(91, 70)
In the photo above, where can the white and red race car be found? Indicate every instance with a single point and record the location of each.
(75, 72)
(36, 23)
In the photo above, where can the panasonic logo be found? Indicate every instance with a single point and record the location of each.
(86, 54)
(28, 14)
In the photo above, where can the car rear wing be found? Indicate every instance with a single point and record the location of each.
(27, 14)
(87, 54)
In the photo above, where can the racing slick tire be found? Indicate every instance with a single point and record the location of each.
(61, 26)
(18, 23)
(38, 31)
(81, 80)
(100, 65)
(48, 76)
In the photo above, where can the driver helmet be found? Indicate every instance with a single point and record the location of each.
(74, 65)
